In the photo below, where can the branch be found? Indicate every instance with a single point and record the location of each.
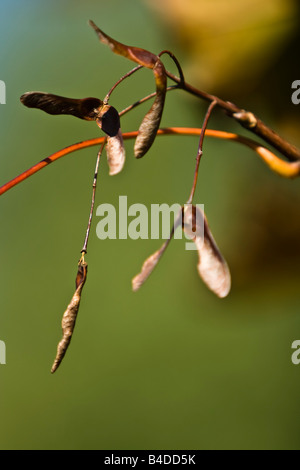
(200, 149)
(281, 167)
(247, 119)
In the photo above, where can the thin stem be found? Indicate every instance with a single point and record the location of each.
(143, 100)
(128, 74)
(246, 119)
(200, 149)
(176, 61)
(84, 248)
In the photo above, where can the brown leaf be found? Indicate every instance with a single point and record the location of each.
(115, 153)
(70, 315)
(212, 267)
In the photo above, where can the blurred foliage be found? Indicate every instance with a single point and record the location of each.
(229, 43)
(170, 366)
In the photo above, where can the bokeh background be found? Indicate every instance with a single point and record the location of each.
(169, 367)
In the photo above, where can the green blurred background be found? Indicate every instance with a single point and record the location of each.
(169, 367)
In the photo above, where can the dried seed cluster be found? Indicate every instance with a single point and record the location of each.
(212, 267)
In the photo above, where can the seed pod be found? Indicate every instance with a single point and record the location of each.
(85, 108)
(212, 267)
(115, 153)
(109, 121)
(146, 270)
(150, 124)
(152, 260)
(70, 315)
(136, 54)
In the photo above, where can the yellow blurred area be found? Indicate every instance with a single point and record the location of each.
(228, 41)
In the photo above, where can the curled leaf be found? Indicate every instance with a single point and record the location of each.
(212, 267)
(115, 153)
(85, 108)
(70, 315)
(150, 124)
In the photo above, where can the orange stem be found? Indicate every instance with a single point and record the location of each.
(283, 168)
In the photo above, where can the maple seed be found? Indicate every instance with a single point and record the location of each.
(212, 267)
(115, 153)
(70, 315)
(90, 109)
(85, 108)
(150, 124)
(146, 270)
(108, 120)
(153, 259)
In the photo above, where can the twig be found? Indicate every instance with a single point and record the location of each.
(281, 167)
(84, 248)
(128, 74)
(176, 61)
(246, 119)
(143, 100)
(200, 149)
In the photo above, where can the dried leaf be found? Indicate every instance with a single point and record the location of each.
(70, 315)
(85, 108)
(115, 153)
(212, 267)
